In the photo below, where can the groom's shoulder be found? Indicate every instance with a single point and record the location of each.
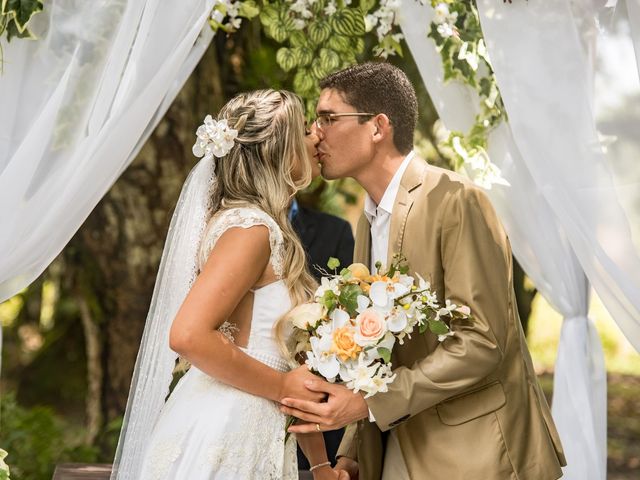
(440, 181)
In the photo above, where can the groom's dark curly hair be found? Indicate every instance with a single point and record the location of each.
(378, 87)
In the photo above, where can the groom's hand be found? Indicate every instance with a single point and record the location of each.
(341, 408)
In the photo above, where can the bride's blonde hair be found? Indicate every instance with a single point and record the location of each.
(258, 170)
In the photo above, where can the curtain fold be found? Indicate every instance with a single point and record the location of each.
(633, 10)
(77, 106)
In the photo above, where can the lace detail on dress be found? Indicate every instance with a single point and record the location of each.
(272, 461)
(243, 217)
(228, 330)
(246, 441)
(164, 456)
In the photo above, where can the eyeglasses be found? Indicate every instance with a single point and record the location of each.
(324, 120)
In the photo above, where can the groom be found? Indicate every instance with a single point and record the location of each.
(469, 407)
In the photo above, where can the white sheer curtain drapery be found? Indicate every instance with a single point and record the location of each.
(633, 10)
(76, 106)
(542, 239)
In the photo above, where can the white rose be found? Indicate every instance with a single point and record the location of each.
(307, 315)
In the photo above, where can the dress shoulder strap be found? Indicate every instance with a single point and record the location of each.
(243, 217)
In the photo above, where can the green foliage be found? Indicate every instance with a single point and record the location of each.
(333, 263)
(317, 46)
(438, 327)
(459, 39)
(35, 439)
(329, 300)
(349, 298)
(385, 353)
(4, 468)
(14, 16)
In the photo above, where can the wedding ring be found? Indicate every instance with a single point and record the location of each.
(317, 426)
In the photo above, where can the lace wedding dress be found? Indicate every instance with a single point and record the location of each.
(209, 430)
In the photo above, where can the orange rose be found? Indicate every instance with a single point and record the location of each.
(343, 343)
(370, 327)
(359, 271)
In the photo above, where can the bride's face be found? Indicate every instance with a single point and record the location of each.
(310, 142)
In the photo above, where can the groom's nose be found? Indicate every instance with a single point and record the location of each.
(317, 132)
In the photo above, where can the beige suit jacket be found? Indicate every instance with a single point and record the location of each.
(470, 407)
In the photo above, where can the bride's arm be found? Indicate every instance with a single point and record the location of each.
(312, 445)
(235, 265)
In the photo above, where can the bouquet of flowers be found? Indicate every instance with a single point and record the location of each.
(348, 333)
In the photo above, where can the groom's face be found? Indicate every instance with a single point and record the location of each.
(346, 147)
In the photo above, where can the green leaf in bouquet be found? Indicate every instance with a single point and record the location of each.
(423, 327)
(333, 263)
(329, 300)
(438, 327)
(392, 270)
(385, 353)
(349, 298)
(346, 273)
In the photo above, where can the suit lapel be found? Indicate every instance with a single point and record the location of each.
(411, 180)
(362, 251)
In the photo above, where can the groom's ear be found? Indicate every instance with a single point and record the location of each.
(382, 128)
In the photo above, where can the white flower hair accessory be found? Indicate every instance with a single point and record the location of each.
(214, 138)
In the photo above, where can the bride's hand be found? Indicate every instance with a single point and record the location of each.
(293, 385)
(328, 473)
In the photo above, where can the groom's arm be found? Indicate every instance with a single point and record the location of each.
(476, 261)
(477, 273)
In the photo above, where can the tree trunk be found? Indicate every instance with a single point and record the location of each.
(121, 242)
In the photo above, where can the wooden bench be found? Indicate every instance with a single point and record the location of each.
(101, 471)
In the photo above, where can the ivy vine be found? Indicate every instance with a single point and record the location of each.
(457, 33)
(14, 19)
(322, 36)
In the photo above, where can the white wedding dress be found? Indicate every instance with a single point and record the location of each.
(209, 430)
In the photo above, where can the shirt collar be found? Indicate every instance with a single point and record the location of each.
(371, 210)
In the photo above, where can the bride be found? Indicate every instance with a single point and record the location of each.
(231, 268)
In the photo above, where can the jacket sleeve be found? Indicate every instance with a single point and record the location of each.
(476, 261)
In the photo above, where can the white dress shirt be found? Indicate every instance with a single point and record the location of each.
(379, 216)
